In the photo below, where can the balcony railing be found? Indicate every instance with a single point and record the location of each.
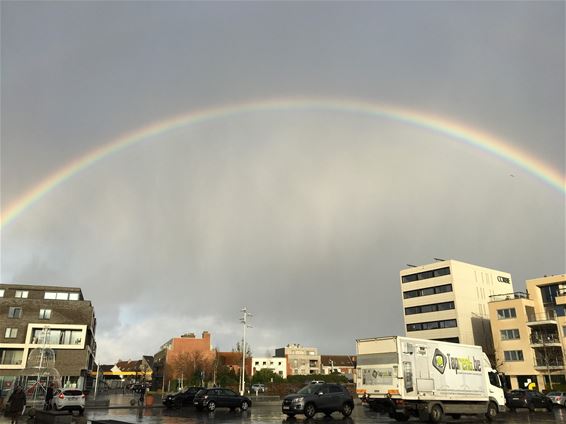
(544, 339)
(541, 317)
(508, 296)
(551, 363)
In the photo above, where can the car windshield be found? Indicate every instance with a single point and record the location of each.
(310, 389)
(201, 392)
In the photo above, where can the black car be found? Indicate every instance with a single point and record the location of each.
(529, 399)
(183, 398)
(219, 397)
(325, 397)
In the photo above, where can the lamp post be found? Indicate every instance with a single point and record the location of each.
(244, 321)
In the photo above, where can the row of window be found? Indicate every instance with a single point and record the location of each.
(426, 275)
(506, 313)
(432, 325)
(513, 355)
(510, 334)
(434, 307)
(17, 312)
(65, 337)
(444, 288)
(23, 294)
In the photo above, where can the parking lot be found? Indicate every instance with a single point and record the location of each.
(271, 413)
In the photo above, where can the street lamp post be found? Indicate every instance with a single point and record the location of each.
(244, 321)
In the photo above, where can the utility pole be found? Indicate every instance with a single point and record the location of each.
(244, 321)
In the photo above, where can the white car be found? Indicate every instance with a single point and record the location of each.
(258, 387)
(558, 398)
(68, 400)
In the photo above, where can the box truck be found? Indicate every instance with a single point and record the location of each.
(405, 377)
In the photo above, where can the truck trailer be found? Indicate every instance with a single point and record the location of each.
(406, 377)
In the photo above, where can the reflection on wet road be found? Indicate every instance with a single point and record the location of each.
(271, 413)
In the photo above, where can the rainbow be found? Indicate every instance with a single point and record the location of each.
(454, 130)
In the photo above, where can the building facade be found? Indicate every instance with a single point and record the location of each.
(181, 356)
(448, 300)
(529, 331)
(277, 365)
(37, 318)
(343, 364)
(300, 360)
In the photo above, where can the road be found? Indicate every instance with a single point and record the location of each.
(270, 413)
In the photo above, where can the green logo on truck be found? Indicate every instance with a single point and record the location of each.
(439, 361)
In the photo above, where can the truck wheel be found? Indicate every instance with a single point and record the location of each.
(435, 414)
(310, 410)
(491, 411)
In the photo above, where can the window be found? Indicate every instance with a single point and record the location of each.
(61, 296)
(44, 313)
(506, 313)
(14, 312)
(1, 292)
(432, 325)
(50, 295)
(11, 333)
(423, 309)
(510, 334)
(73, 296)
(335, 389)
(445, 288)
(57, 337)
(513, 355)
(22, 294)
(425, 275)
(11, 356)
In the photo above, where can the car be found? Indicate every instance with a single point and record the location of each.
(219, 397)
(258, 387)
(530, 399)
(558, 398)
(319, 397)
(183, 397)
(68, 400)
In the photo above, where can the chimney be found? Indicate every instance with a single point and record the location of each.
(206, 335)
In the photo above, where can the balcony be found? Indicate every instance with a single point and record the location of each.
(551, 364)
(545, 339)
(509, 296)
(542, 319)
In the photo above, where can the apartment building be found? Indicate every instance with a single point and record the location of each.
(180, 356)
(448, 300)
(277, 365)
(529, 331)
(300, 360)
(36, 318)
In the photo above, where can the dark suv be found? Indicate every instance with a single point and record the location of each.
(529, 399)
(182, 398)
(219, 397)
(325, 397)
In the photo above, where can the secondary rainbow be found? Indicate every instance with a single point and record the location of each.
(452, 129)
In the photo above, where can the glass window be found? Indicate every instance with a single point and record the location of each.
(512, 334)
(441, 271)
(11, 356)
(45, 314)
(445, 306)
(50, 295)
(14, 312)
(73, 296)
(22, 294)
(409, 278)
(62, 296)
(513, 355)
(428, 291)
(425, 275)
(11, 333)
(506, 313)
(335, 389)
(1, 292)
(444, 288)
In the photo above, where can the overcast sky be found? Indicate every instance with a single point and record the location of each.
(304, 216)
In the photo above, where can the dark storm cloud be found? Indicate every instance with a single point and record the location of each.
(304, 218)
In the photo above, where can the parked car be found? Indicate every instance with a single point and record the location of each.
(183, 397)
(530, 399)
(258, 387)
(558, 398)
(318, 397)
(219, 397)
(68, 400)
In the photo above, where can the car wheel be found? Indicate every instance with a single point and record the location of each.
(491, 411)
(244, 406)
(346, 409)
(178, 403)
(436, 413)
(211, 406)
(310, 410)
(531, 407)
